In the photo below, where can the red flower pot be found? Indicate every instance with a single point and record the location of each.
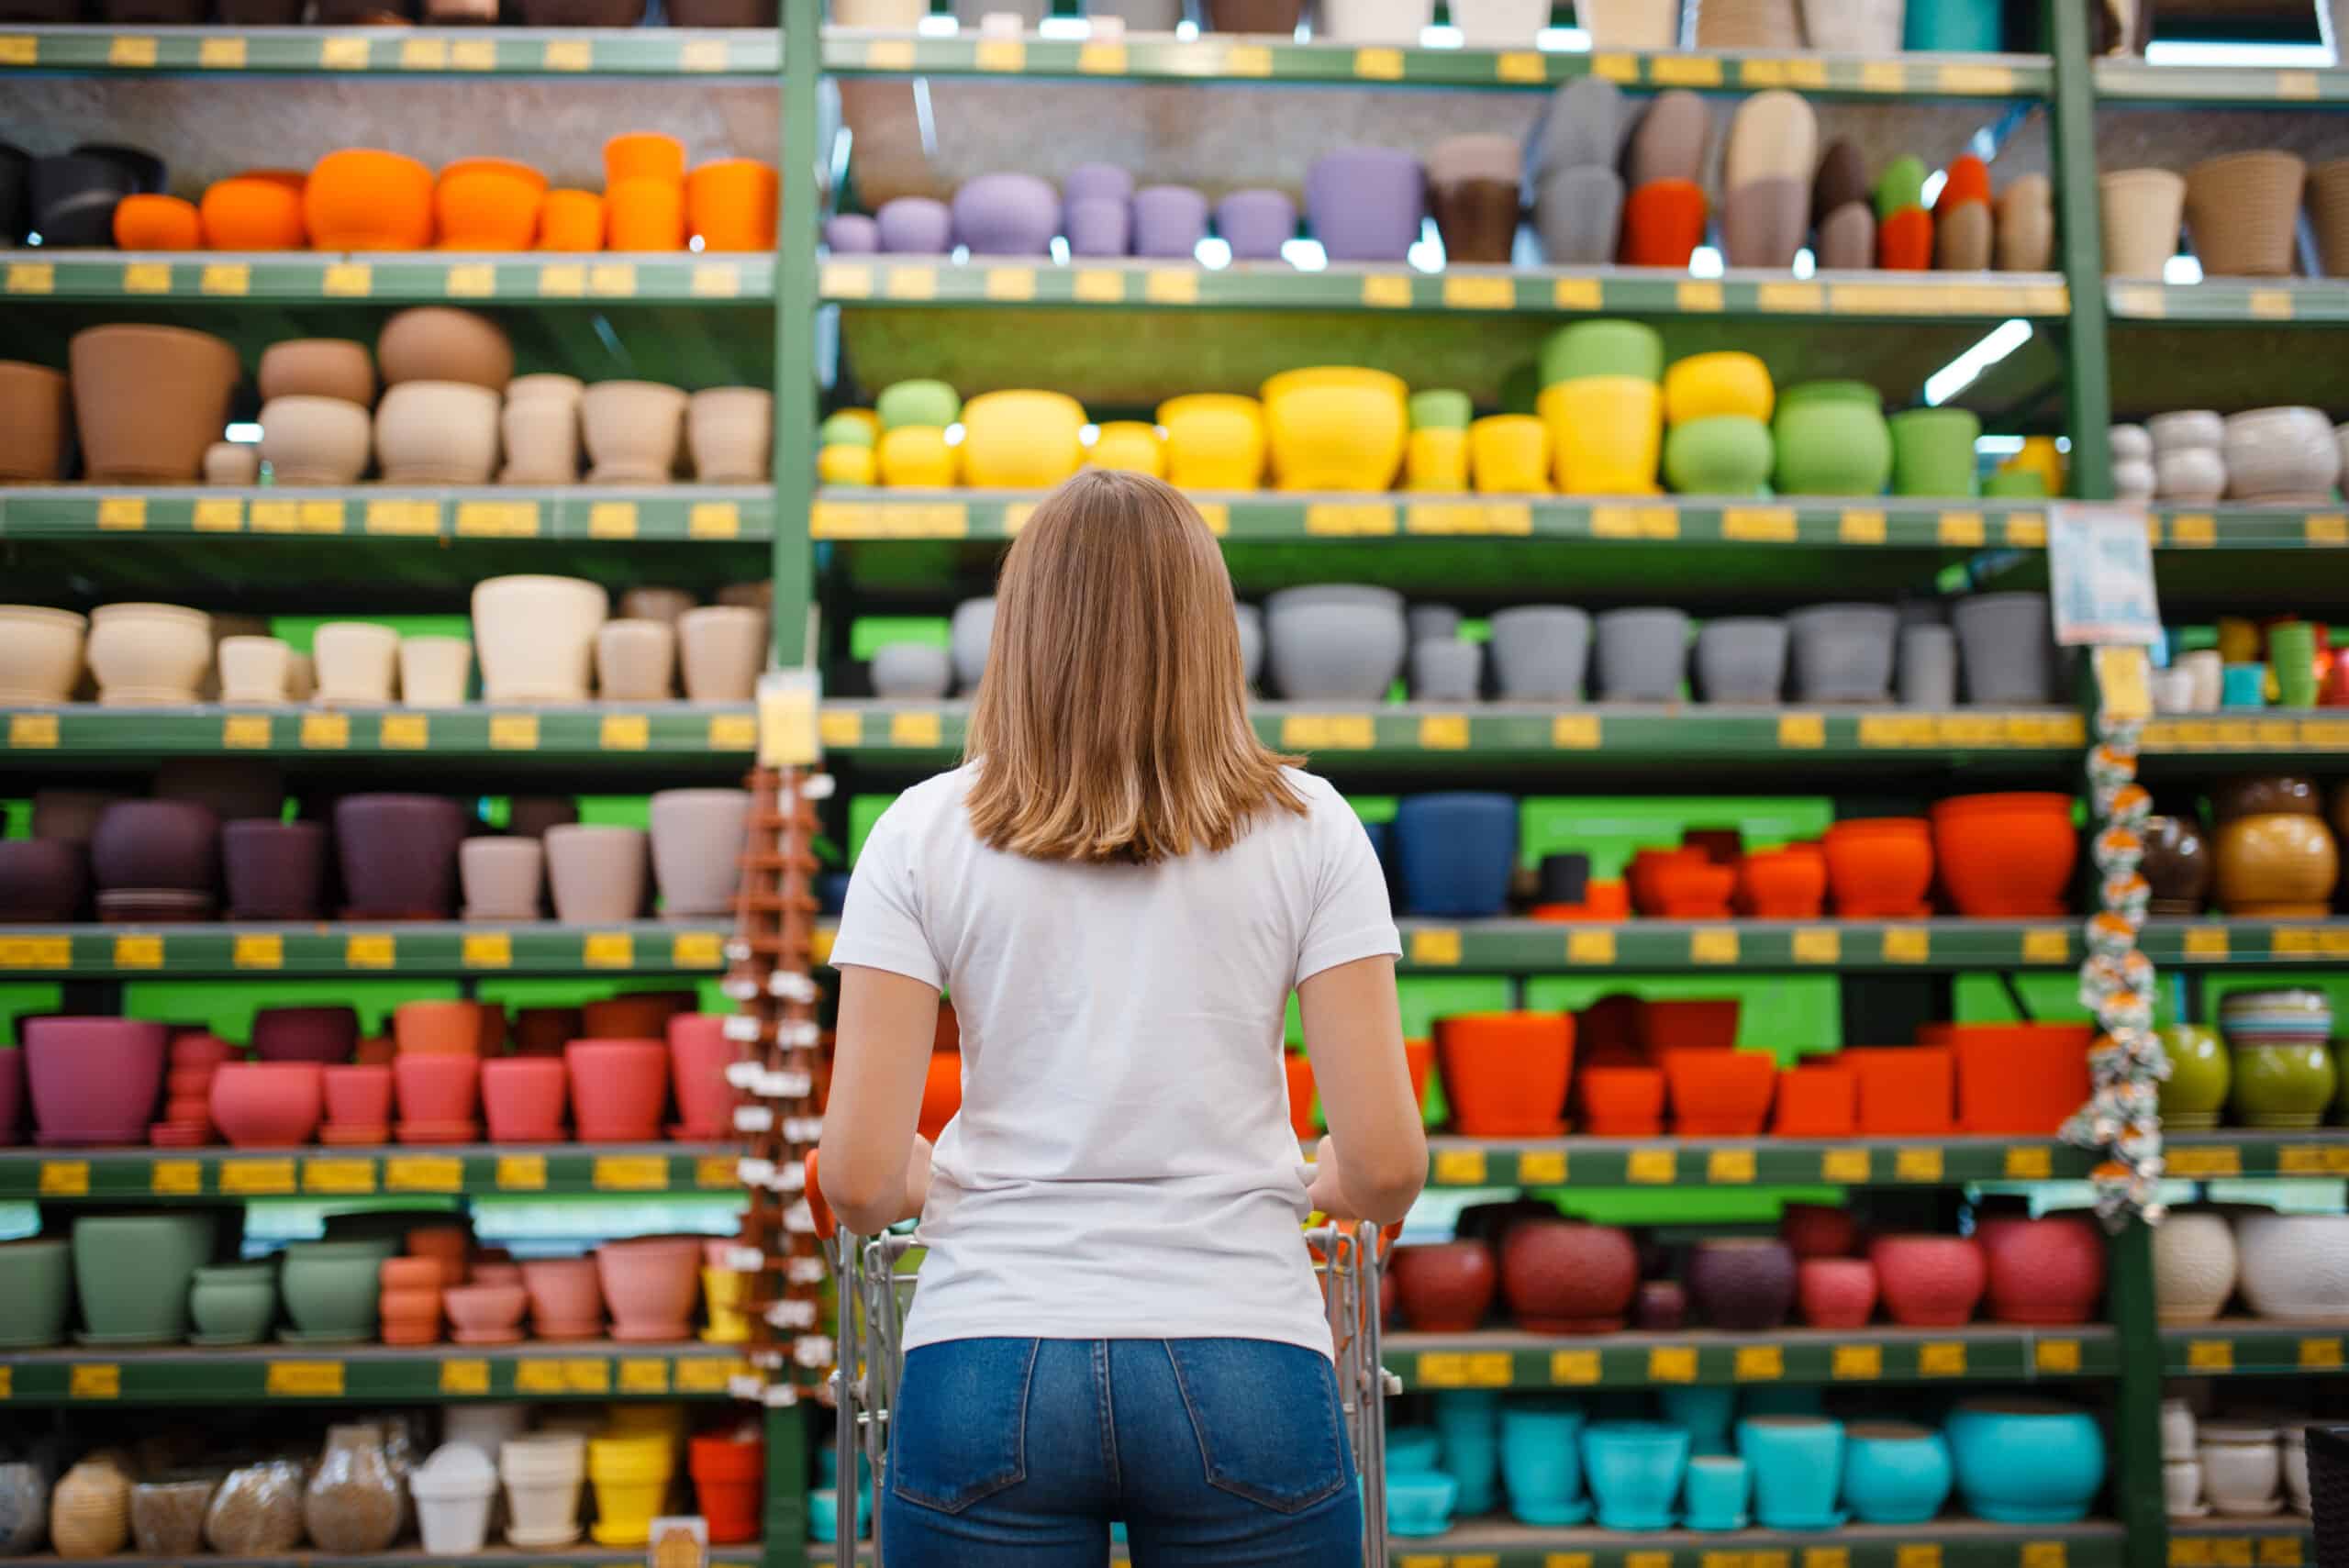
(1904, 1091)
(566, 1300)
(1880, 868)
(411, 1273)
(2016, 1078)
(619, 1089)
(1818, 1230)
(1695, 891)
(1565, 1277)
(1745, 1284)
(2042, 1271)
(1967, 179)
(410, 1315)
(195, 1051)
(437, 1089)
(728, 1475)
(2007, 856)
(93, 1080)
(1506, 1074)
(1836, 1293)
(522, 1098)
(651, 1283)
(1904, 242)
(1646, 871)
(1620, 1102)
(357, 1096)
(1663, 222)
(267, 1105)
(640, 1015)
(1783, 884)
(1418, 1057)
(1446, 1287)
(1817, 1102)
(699, 1053)
(1720, 1093)
(1929, 1282)
(1295, 1064)
(305, 1034)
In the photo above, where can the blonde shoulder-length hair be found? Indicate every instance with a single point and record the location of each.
(1112, 721)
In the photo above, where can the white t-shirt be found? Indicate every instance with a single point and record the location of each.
(1123, 1165)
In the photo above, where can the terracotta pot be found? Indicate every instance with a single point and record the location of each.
(2005, 856)
(1903, 1090)
(729, 431)
(1783, 884)
(2244, 211)
(633, 430)
(2046, 1270)
(2026, 238)
(41, 650)
(1565, 1277)
(2280, 866)
(636, 660)
(42, 880)
(1962, 237)
(1746, 1284)
(276, 870)
(34, 424)
(1720, 1093)
(504, 878)
(156, 844)
(149, 400)
(437, 1089)
(398, 853)
(523, 1099)
(2016, 1078)
(595, 874)
(1929, 1282)
(730, 204)
(721, 649)
(317, 367)
(267, 1104)
(1506, 1074)
(92, 1081)
(1880, 868)
(566, 1300)
(1619, 1102)
(1847, 238)
(256, 211)
(543, 1032)
(357, 1096)
(438, 343)
(1446, 1287)
(434, 1028)
(360, 199)
(356, 662)
(650, 1284)
(1836, 1293)
(619, 1089)
(436, 432)
(535, 637)
(699, 1053)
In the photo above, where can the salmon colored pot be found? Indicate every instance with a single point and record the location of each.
(1835, 1292)
(522, 1098)
(1929, 1282)
(1446, 1287)
(643, 154)
(2016, 1078)
(1419, 1055)
(645, 215)
(2047, 1271)
(618, 1088)
(942, 1093)
(571, 220)
(410, 1317)
(485, 1314)
(437, 1028)
(2005, 856)
(449, 1246)
(410, 1273)
(650, 1284)
(267, 1105)
(437, 1089)
(364, 200)
(1621, 1102)
(699, 1053)
(1783, 884)
(253, 212)
(1506, 1074)
(1687, 1024)
(567, 1297)
(1694, 890)
(1817, 1102)
(357, 1096)
(727, 1475)
(1904, 242)
(198, 1049)
(1904, 1091)
(1880, 868)
(731, 204)
(157, 223)
(1720, 1093)
(639, 1014)
(1818, 1230)
(1663, 222)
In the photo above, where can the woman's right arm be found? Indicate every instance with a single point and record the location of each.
(1353, 1035)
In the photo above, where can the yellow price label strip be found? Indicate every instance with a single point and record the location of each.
(1459, 1167)
(303, 1380)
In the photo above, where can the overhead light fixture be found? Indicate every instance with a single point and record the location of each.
(1966, 369)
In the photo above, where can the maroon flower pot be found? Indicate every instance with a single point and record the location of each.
(12, 1096)
(1661, 1307)
(1366, 204)
(1446, 1287)
(276, 870)
(267, 1105)
(522, 1098)
(398, 855)
(1818, 1230)
(1929, 1282)
(699, 1053)
(150, 844)
(324, 1035)
(42, 880)
(1835, 1292)
(618, 1088)
(93, 1080)
(1564, 1278)
(2041, 1271)
(1745, 1284)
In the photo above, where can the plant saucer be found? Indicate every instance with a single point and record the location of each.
(540, 1539)
(660, 1333)
(1833, 1520)
(488, 1336)
(2198, 1511)
(1661, 1520)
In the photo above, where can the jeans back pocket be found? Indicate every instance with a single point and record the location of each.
(1267, 1415)
(959, 1432)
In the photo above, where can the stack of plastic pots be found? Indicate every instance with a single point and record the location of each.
(543, 1473)
(631, 1476)
(1435, 455)
(1718, 408)
(1604, 407)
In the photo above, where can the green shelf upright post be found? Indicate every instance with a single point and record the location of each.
(2137, 1412)
(2088, 387)
(787, 1510)
(795, 335)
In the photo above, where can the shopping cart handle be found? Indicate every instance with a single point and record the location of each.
(826, 1226)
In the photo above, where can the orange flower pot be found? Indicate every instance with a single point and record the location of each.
(2005, 856)
(1720, 1093)
(1663, 222)
(1694, 890)
(1621, 1102)
(489, 203)
(1817, 1102)
(364, 200)
(1904, 1091)
(437, 1028)
(1647, 890)
(942, 1093)
(1783, 884)
(1967, 180)
(1300, 1093)
(1904, 242)
(1506, 1074)
(644, 155)
(731, 204)
(1601, 901)
(1880, 867)
(1419, 1055)
(571, 220)
(2016, 1078)
(157, 223)
(645, 215)
(1691, 1024)
(260, 210)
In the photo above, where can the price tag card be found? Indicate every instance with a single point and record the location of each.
(2100, 572)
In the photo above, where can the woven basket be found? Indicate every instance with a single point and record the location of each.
(2244, 211)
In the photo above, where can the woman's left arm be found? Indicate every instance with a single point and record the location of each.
(874, 1167)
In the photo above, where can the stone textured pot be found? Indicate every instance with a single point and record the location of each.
(595, 874)
(729, 430)
(1169, 221)
(276, 870)
(2047, 1271)
(1006, 214)
(398, 855)
(149, 400)
(437, 343)
(1746, 1284)
(535, 637)
(36, 419)
(40, 652)
(2009, 646)
(502, 878)
(1335, 643)
(2194, 1265)
(1446, 670)
(1539, 652)
(436, 432)
(1741, 659)
(915, 226)
(1366, 204)
(1929, 1282)
(1842, 654)
(1566, 1277)
(1642, 654)
(698, 839)
(1256, 224)
(721, 649)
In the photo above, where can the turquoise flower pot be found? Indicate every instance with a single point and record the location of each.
(2022, 1462)
(1541, 1462)
(1798, 1465)
(1714, 1495)
(1468, 1426)
(1635, 1471)
(1895, 1474)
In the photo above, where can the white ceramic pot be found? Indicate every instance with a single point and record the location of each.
(436, 432)
(543, 1473)
(536, 637)
(969, 634)
(1500, 24)
(2129, 441)
(545, 387)
(452, 1502)
(636, 660)
(1630, 24)
(357, 661)
(541, 441)
(2182, 1488)
(40, 654)
(721, 649)
(632, 429)
(2133, 479)
(2190, 473)
(254, 669)
(2241, 1470)
(2173, 691)
(697, 840)
(2280, 454)
(2177, 1430)
(2296, 1265)
(147, 655)
(315, 440)
(434, 671)
(2194, 1266)
(729, 430)
(2182, 427)
(502, 877)
(1374, 21)
(2296, 1468)
(596, 873)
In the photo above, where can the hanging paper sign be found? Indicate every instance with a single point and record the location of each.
(2100, 567)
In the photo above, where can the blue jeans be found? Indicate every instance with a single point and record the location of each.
(1216, 1454)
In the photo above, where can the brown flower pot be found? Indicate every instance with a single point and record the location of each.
(2244, 211)
(1962, 238)
(1254, 15)
(1763, 223)
(2025, 242)
(2329, 210)
(1477, 219)
(34, 423)
(435, 343)
(149, 400)
(1847, 239)
(1670, 141)
(317, 367)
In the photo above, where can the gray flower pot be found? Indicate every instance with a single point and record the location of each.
(1252, 640)
(1643, 655)
(1580, 214)
(911, 672)
(2009, 648)
(1444, 669)
(1928, 667)
(1432, 621)
(1584, 125)
(1341, 643)
(1741, 659)
(968, 635)
(1842, 652)
(1539, 652)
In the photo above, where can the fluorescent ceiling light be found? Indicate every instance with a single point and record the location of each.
(1963, 371)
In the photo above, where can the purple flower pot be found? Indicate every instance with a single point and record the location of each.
(276, 870)
(915, 226)
(324, 1035)
(1169, 221)
(398, 855)
(1746, 1284)
(1366, 204)
(852, 234)
(93, 1080)
(42, 880)
(12, 1096)
(1006, 214)
(152, 844)
(1256, 224)
(1090, 181)
(1101, 226)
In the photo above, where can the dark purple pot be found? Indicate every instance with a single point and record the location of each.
(12, 1098)
(93, 1080)
(1101, 226)
(1764, 222)
(852, 234)
(398, 855)
(73, 198)
(149, 844)
(147, 171)
(276, 870)
(915, 226)
(1169, 222)
(1256, 224)
(325, 1035)
(1661, 1307)
(42, 880)
(1366, 204)
(1006, 214)
(1090, 181)
(235, 791)
(1746, 1284)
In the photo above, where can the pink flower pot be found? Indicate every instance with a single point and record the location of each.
(485, 1314)
(566, 1300)
(437, 1089)
(267, 1105)
(357, 1096)
(305, 1034)
(522, 1098)
(1835, 1292)
(2042, 1271)
(93, 1080)
(649, 1284)
(698, 1054)
(195, 1050)
(1929, 1282)
(618, 1088)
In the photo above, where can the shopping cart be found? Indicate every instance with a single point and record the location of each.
(875, 1289)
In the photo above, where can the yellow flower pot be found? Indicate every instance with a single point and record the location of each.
(847, 465)
(726, 1291)
(1509, 455)
(1356, 377)
(661, 1419)
(916, 457)
(864, 416)
(1214, 441)
(1337, 438)
(1437, 461)
(1021, 441)
(1131, 447)
(1607, 432)
(625, 1510)
(2039, 456)
(1703, 386)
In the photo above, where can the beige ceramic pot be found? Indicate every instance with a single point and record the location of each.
(596, 873)
(34, 423)
(357, 661)
(315, 440)
(501, 878)
(1630, 24)
(664, 604)
(721, 649)
(697, 840)
(894, 16)
(40, 654)
(317, 367)
(2244, 211)
(636, 660)
(1773, 136)
(535, 637)
(149, 655)
(254, 669)
(1962, 238)
(2026, 227)
(434, 671)
(2194, 1266)
(545, 386)
(730, 430)
(541, 441)
(434, 342)
(633, 430)
(436, 432)
(236, 464)
(149, 400)
(2139, 211)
